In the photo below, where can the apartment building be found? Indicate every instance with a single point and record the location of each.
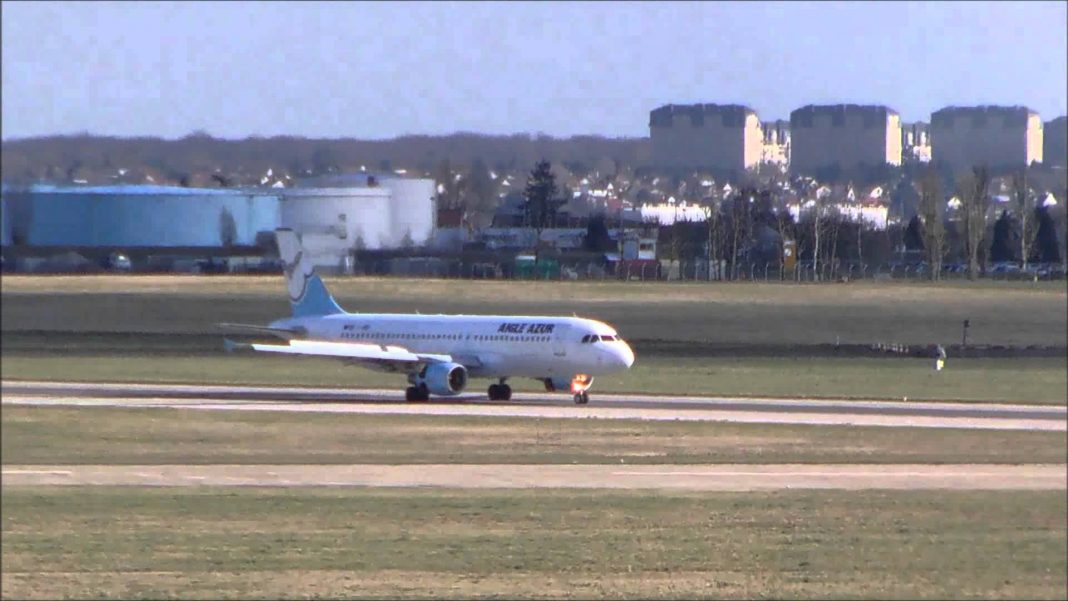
(843, 136)
(706, 136)
(998, 137)
(1054, 142)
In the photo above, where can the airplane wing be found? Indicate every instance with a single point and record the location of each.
(374, 356)
(284, 333)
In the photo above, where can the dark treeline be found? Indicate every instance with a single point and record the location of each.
(57, 158)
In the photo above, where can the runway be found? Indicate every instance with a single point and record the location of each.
(718, 477)
(545, 405)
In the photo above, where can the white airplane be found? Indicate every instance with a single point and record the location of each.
(440, 353)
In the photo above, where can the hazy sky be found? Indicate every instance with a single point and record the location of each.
(387, 69)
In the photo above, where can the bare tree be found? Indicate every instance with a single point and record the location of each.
(833, 225)
(784, 225)
(1025, 208)
(712, 234)
(975, 202)
(817, 225)
(932, 210)
(740, 225)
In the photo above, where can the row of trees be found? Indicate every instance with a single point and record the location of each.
(749, 229)
(1013, 237)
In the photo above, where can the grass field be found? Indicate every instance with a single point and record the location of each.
(53, 435)
(125, 542)
(691, 338)
(271, 543)
(1039, 380)
(1000, 313)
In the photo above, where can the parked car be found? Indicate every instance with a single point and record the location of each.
(211, 265)
(1005, 267)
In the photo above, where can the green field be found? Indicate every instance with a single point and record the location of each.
(271, 543)
(55, 435)
(1041, 381)
(1001, 313)
(692, 338)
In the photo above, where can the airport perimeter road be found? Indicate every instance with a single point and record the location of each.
(545, 405)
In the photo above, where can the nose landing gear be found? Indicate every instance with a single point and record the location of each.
(581, 398)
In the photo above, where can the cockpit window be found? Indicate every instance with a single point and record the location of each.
(591, 338)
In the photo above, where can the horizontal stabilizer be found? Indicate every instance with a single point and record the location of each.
(232, 346)
(283, 333)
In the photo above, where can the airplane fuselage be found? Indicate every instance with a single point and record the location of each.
(490, 345)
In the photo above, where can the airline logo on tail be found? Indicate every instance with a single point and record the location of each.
(307, 294)
(298, 270)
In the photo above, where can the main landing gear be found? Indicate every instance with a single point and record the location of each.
(418, 393)
(581, 398)
(500, 392)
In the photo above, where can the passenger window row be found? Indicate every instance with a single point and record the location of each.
(385, 336)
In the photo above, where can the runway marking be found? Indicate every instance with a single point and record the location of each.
(816, 412)
(873, 474)
(707, 477)
(36, 472)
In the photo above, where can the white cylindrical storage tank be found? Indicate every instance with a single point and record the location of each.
(412, 211)
(335, 221)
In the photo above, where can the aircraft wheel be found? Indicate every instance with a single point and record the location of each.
(582, 398)
(500, 392)
(416, 393)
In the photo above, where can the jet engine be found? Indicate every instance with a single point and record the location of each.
(577, 384)
(443, 379)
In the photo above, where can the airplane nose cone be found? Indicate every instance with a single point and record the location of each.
(626, 355)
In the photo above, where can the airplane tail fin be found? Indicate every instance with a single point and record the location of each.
(307, 294)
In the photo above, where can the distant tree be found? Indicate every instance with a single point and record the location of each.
(785, 226)
(597, 238)
(480, 195)
(447, 193)
(324, 160)
(227, 228)
(975, 203)
(741, 226)
(913, 237)
(542, 202)
(713, 238)
(834, 225)
(1003, 247)
(1047, 246)
(1025, 214)
(932, 210)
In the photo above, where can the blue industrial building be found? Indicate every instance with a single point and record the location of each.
(137, 216)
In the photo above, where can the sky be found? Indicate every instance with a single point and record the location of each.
(381, 70)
